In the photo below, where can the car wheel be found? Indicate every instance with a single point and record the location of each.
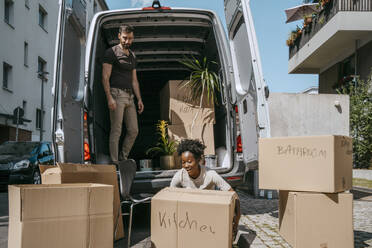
(36, 177)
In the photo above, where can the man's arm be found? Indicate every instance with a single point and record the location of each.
(106, 73)
(137, 92)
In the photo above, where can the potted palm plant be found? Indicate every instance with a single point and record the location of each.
(202, 82)
(165, 147)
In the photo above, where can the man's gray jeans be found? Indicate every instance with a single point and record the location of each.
(125, 109)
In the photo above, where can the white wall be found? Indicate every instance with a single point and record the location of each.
(26, 86)
(308, 114)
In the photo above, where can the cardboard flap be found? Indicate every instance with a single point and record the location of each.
(81, 168)
(43, 168)
(14, 195)
(199, 194)
(57, 201)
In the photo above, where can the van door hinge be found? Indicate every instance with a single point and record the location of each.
(231, 70)
(86, 78)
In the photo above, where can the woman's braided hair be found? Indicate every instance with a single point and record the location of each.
(192, 145)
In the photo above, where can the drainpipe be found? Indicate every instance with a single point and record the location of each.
(356, 63)
(355, 89)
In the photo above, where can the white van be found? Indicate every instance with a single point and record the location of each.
(163, 36)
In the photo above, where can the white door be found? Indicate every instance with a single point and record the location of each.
(67, 117)
(249, 85)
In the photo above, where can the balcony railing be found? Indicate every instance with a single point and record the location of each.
(324, 16)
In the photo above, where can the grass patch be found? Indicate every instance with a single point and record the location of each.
(359, 182)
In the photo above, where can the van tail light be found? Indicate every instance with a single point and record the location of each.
(86, 151)
(156, 6)
(234, 178)
(239, 146)
(236, 109)
(87, 156)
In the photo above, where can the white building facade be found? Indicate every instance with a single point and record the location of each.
(27, 38)
(336, 45)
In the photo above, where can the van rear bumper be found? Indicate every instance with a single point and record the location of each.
(154, 185)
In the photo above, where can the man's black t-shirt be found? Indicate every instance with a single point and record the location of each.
(122, 67)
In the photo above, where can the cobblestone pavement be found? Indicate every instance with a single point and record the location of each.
(261, 217)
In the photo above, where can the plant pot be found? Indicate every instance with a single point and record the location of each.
(145, 164)
(308, 20)
(167, 162)
(324, 2)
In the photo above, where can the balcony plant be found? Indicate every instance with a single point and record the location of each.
(165, 147)
(308, 19)
(324, 3)
(294, 36)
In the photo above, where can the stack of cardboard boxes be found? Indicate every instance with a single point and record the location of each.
(179, 111)
(312, 174)
(78, 205)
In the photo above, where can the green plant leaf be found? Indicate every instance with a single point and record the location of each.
(201, 77)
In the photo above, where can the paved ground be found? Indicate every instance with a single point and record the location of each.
(259, 217)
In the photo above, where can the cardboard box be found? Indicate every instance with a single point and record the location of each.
(86, 173)
(192, 218)
(204, 133)
(60, 216)
(177, 109)
(309, 163)
(309, 220)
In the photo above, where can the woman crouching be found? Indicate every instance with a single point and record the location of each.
(194, 175)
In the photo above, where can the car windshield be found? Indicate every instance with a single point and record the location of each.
(18, 148)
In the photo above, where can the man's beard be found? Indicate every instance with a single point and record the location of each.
(126, 46)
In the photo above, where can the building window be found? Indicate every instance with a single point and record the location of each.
(24, 106)
(7, 75)
(25, 51)
(9, 12)
(346, 72)
(43, 17)
(27, 4)
(41, 64)
(38, 118)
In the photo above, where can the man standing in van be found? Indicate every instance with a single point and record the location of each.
(119, 78)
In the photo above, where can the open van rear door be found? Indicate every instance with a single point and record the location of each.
(67, 90)
(249, 86)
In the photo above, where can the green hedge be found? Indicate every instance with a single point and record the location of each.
(360, 93)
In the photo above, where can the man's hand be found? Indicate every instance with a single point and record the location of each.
(140, 107)
(111, 104)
